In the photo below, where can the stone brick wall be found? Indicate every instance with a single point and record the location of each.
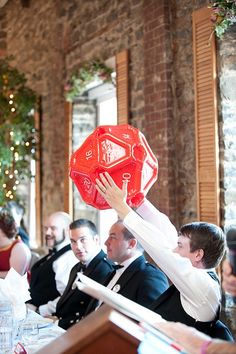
(227, 131)
(227, 126)
(3, 34)
(51, 39)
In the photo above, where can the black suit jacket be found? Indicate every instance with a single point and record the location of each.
(73, 302)
(141, 282)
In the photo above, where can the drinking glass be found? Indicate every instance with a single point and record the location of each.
(6, 327)
(28, 332)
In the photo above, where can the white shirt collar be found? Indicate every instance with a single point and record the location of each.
(127, 262)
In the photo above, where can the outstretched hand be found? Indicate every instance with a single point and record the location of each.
(113, 195)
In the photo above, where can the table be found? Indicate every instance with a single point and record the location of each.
(48, 331)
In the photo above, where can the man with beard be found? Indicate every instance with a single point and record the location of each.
(49, 275)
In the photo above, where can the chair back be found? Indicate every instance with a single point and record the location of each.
(221, 331)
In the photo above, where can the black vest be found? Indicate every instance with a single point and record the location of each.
(42, 283)
(169, 306)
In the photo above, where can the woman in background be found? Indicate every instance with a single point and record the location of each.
(13, 252)
(17, 212)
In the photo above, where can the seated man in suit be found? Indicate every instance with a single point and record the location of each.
(135, 279)
(92, 262)
(50, 274)
(195, 296)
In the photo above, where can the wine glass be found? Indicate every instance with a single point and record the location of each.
(29, 332)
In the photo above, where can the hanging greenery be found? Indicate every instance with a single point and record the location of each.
(18, 134)
(94, 70)
(223, 15)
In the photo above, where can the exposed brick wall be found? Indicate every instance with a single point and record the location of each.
(51, 39)
(158, 70)
(3, 34)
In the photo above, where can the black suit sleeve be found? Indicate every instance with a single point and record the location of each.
(152, 285)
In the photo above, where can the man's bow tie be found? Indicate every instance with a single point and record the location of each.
(81, 267)
(118, 266)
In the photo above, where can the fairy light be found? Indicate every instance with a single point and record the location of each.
(16, 138)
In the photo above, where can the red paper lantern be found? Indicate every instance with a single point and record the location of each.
(123, 152)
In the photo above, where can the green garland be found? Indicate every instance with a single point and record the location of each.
(18, 135)
(223, 16)
(94, 70)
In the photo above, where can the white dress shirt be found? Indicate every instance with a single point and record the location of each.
(120, 271)
(200, 294)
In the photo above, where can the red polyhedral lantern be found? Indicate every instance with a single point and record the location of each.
(124, 153)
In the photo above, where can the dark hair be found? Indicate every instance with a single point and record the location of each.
(84, 223)
(128, 235)
(208, 237)
(14, 205)
(19, 210)
(231, 233)
(7, 223)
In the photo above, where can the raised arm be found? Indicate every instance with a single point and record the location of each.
(157, 244)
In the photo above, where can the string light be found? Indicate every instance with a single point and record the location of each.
(17, 143)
